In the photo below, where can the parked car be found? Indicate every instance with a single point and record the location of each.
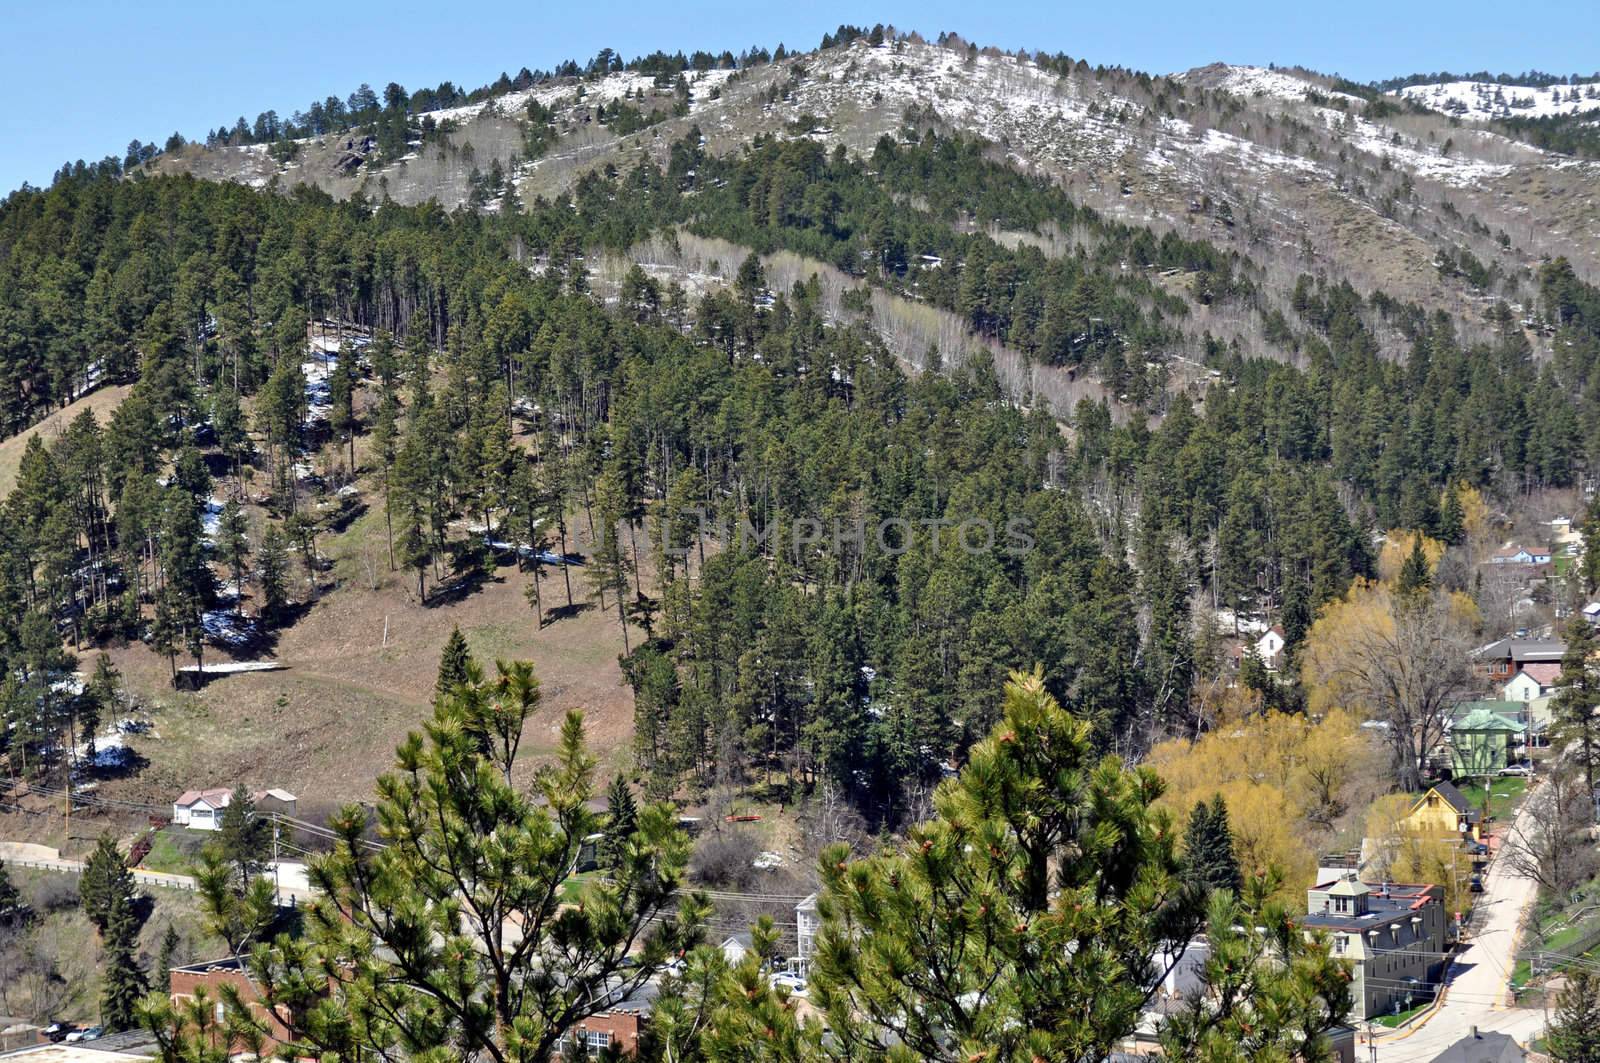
(1516, 769)
(1476, 884)
(57, 1031)
(793, 982)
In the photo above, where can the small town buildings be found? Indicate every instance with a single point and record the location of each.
(202, 809)
(1443, 810)
(210, 978)
(735, 947)
(806, 925)
(1514, 553)
(1392, 934)
(1483, 1048)
(1532, 680)
(275, 800)
(1501, 660)
(1269, 647)
(1484, 738)
(615, 1029)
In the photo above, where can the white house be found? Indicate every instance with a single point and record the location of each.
(735, 946)
(806, 924)
(1269, 647)
(1532, 680)
(201, 809)
(1513, 553)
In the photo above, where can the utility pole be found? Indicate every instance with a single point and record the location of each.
(277, 887)
(67, 827)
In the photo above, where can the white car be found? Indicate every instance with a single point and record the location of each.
(792, 982)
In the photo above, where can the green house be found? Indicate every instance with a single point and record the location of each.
(1484, 736)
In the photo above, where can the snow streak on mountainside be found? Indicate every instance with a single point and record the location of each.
(1275, 162)
(1485, 100)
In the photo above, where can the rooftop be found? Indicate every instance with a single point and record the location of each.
(1524, 650)
(1386, 903)
(227, 963)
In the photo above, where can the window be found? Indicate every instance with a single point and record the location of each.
(221, 1014)
(596, 1041)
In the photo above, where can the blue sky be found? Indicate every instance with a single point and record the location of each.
(80, 80)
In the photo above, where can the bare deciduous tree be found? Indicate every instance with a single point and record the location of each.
(1409, 669)
(1550, 842)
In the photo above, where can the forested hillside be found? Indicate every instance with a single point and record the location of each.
(901, 482)
(508, 399)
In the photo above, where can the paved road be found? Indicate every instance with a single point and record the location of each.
(1478, 983)
(292, 876)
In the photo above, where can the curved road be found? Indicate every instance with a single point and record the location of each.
(1477, 986)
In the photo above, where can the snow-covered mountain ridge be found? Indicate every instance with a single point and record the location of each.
(1276, 162)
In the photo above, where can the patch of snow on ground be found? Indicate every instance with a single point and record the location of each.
(225, 627)
(1052, 118)
(1260, 81)
(1410, 154)
(1485, 100)
(211, 521)
(233, 667)
(607, 89)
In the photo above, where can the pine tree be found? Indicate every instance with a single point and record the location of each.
(170, 943)
(1209, 859)
(1588, 568)
(1452, 517)
(233, 547)
(608, 566)
(239, 911)
(106, 880)
(124, 984)
(985, 879)
(102, 696)
(1267, 991)
(1416, 574)
(622, 822)
(341, 398)
(1574, 1034)
(454, 662)
(244, 837)
(10, 899)
(438, 886)
(273, 573)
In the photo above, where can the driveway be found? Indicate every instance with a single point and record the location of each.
(1477, 989)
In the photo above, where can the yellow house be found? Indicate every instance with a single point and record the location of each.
(1442, 810)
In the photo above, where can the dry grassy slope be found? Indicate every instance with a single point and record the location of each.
(360, 667)
(102, 403)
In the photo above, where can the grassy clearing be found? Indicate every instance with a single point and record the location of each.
(1504, 795)
(174, 851)
(102, 402)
